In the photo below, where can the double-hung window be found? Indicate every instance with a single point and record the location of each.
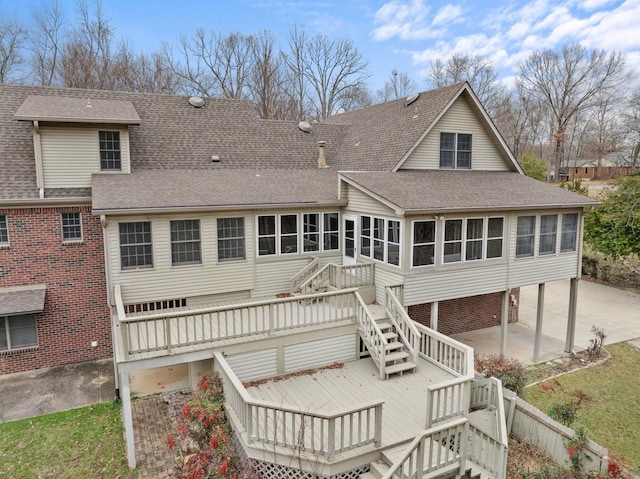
(455, 150)
(331, 232)
(474, 239)
(548, 234)
(569, 235)
(365, 236)
(231, 242)
(424, 243)
(525, 236)
(71, 225)
(185, 242)
(452, 245)
(393, 242)
(110, 152)
(288, 234)
(135, 245)
(495, 235)
(4, 231)
(266, 235)
(18, 332)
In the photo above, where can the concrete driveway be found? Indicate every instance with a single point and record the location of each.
(615, 311)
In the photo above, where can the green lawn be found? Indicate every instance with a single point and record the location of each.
(81, 443)
(611, 415)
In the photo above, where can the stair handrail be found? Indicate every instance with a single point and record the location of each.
(405, 326)
(303, 274)
(373, 336)
(325, 270)
(418, 444)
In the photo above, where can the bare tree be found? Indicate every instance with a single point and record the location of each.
(327, 71)
(398, 85)
(475, 69)
(46, 43)
(632, 127)
(568, 83)
(12, 40)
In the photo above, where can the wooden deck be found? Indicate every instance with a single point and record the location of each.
(405, 397)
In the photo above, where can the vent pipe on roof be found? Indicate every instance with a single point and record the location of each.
(322, 163)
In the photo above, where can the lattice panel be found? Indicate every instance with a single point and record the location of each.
(273, 471)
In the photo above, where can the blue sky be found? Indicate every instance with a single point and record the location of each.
(400, 34)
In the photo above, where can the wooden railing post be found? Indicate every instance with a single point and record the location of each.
(167, 329)
(331, 438)
(378, 431)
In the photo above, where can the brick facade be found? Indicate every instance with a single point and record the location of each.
(76, 311)
(466, 314)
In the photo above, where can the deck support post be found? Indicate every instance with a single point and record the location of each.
(434, 316)
(571, 320)
(125, 394)
(504, 320)
(539, 315)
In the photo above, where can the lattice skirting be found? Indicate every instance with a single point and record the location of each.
(267, 470)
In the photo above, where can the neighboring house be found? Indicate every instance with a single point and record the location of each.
(209, 213)
(611, 166)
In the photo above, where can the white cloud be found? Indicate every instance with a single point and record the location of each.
(447, 15)
(594, 4)
(402, 19)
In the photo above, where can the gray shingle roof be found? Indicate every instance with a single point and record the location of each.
(22, 299)
(381, 135)
(82, 110)
(458, 190)
(158, 189)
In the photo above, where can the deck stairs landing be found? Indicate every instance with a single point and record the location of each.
(397, 359)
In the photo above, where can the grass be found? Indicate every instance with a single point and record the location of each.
(81, 443)
(610, 414)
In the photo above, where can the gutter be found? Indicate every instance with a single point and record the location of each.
(196, 209)
(460, 209)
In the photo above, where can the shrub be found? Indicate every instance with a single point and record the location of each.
(563, 412)
(595, 345)
(510, 371)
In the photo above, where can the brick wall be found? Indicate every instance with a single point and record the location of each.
(466, 314)
(76, 311)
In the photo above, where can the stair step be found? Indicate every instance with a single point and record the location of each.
(377, 311)
(394, 345)
(378, 469)
(397, 356)
(398, 368)
(389, 335)
(384, 325)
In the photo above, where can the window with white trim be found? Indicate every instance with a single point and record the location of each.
(110, 152)
(472, 239)
(231, 241)
(548, 234)
(569, 235)
(135, 245)
(18, 332)
(4, 231)
(424, 243)
(455, 150)
(71, 225)
(185, 242)
(288, 234)
(452, 244)
(495, 237)
(380, 239)
(525, 236)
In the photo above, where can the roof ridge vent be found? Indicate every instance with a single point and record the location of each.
(411, 98)
(196, 101)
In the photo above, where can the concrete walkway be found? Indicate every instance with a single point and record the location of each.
(615, 311)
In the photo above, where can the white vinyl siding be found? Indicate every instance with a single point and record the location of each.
(360, 203)
(254, 365)
(316, 354)
(459, 118)
(71, 154)
(190, 280)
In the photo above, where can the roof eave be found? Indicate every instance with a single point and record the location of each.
(52, 119)
(459, 209)
(34, 202)
(201, 208)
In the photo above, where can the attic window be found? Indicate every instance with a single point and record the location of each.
(455, 150)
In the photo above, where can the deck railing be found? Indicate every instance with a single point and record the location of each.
(304, 274)
(447, 400)
(167, 331)
(319, 433)
(447, 353)
(489, 450)
(339, 276)
(437, 449)
(405, 326)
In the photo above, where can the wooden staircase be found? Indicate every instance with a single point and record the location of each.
(397, 359)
